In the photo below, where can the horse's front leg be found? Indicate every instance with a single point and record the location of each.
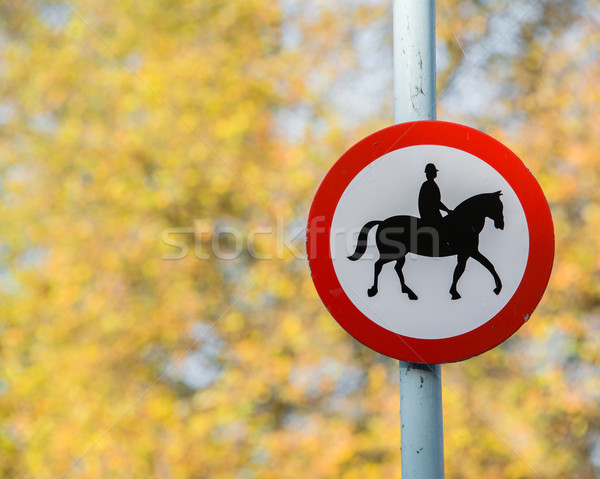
(490, 267)
(458, 271)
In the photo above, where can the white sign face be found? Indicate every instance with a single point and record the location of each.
(392, 185)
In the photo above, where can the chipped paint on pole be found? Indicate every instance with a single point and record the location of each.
(421, 421)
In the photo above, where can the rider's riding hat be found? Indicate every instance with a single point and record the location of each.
(430, 167)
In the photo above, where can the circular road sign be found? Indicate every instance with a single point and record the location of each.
(430, 242)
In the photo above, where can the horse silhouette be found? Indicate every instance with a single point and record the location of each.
(455, 234)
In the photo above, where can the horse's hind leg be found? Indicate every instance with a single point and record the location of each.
(405, 289)
(458, 271)
(372, 291)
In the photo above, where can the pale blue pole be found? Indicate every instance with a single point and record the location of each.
(414, 60)
(422, 436)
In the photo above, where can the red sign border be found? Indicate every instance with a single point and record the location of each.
(487, 336)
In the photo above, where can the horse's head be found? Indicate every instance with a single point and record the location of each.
(495, 212)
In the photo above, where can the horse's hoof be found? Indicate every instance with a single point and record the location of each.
(412, 296)
(410, 293)
(372, 292)
(498, 289)
(455, 296)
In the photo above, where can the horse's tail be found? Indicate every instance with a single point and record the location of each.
(363, 239)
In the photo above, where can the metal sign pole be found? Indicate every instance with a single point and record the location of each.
(422, 437)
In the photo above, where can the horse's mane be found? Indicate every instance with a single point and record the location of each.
(474, 201)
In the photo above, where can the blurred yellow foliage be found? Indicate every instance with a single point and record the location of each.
(125, 123)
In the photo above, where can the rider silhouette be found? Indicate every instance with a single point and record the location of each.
(430, 199)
